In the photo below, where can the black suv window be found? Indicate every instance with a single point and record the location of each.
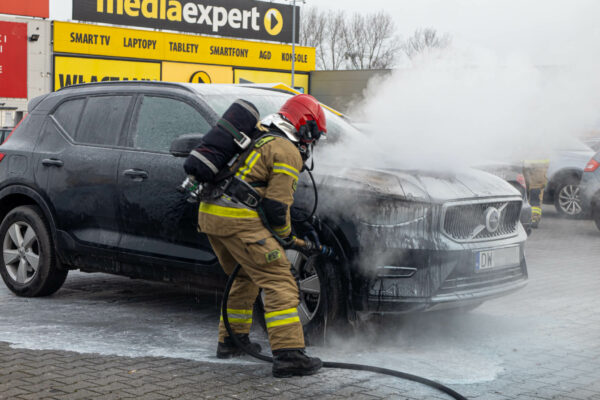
(68, 113)
(102, 120)
(163, 119)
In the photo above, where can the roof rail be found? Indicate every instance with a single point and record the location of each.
(107, 83)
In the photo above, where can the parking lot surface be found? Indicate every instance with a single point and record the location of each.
(110, 337)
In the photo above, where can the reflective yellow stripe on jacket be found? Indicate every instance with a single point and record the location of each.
(250, 161)
(283, 231)
(281, 168)
(228, 212)
(283, 317)
(239, 316)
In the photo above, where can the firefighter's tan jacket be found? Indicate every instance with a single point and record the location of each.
(274, 162)
(238, 236)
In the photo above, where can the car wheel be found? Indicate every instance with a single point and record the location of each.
(596, 217)
(321, 300)
(567, 200)
(29, 267)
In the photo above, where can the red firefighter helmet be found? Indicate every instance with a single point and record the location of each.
(300, 109)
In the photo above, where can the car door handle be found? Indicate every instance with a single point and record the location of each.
(52, 162)
(136, 174)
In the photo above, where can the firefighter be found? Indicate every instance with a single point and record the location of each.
(535, 178)
(238, 235)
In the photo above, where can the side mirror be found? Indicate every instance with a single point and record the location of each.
(184, 144)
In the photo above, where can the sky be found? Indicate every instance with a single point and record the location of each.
(548, 32)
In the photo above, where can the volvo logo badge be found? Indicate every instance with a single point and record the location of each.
(492, 219)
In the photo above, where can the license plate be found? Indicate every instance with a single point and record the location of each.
(497, 258)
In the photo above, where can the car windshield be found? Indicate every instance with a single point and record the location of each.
(270, 101)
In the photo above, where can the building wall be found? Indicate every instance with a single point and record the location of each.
(339, 89)
(39, 72)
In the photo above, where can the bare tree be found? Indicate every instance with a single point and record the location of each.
(312, 27)
(371, 41)
(424, 40)
(324, 31)
(349, 42)
(334, 47)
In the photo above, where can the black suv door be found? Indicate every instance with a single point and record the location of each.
(156, 219)
(78, 155)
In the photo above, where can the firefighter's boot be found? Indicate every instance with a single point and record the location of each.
(228, 349)
(287, 363)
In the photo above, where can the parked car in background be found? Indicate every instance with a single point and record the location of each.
(87, 182)
(593, 142)
(590, 188)
(564, 174)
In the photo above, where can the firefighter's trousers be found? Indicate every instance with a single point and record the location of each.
(265, 266)
(535, 176)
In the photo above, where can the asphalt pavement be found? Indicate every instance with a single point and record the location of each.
(107, 337)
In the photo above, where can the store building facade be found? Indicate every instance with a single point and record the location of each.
(88, 53)
(25, 56)
(128, 40)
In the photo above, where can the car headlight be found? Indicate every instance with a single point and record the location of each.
(394, 214)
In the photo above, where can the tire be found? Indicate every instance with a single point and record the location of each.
(26, 241)
(596, 216)
(566, 198)
(321, 300)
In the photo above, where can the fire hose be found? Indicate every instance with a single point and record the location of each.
(328, 364)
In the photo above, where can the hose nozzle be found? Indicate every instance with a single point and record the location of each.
(327, 252)
(311, 248)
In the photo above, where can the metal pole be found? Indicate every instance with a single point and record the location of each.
(293, 40)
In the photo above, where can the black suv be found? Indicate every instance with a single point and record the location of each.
(87, 182)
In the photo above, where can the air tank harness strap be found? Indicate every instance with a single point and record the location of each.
(239, 137)
(243, 192)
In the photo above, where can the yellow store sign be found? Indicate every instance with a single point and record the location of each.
(196, 73)
(132, 43)
(73, 70)
(253, 76)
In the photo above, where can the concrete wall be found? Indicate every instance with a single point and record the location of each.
(39, 68)
(338, 89)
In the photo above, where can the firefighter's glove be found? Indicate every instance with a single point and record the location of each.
(288, 242)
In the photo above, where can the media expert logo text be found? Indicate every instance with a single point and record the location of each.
(239, 18)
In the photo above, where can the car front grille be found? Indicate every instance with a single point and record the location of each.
(466, 221)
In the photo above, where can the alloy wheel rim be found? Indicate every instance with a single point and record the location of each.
(569, 201)
(21, 252)
(309, 285)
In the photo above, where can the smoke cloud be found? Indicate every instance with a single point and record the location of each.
(465, 105)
